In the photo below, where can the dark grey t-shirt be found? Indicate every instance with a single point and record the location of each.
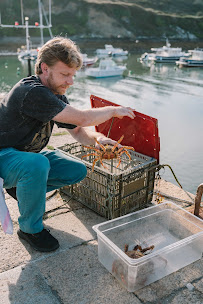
(26, 115)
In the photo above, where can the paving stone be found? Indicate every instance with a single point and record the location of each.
(183, 297)
(71, 229)
(60, 203)
(199, 285)
(164, 287)
(74, 227)
(25, 285)
(79, 278)
(12, 251)
(53, 201)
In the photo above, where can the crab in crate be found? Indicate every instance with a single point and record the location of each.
(108, 152)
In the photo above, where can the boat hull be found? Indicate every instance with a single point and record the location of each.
(158, 59)
(189, 64)
(99, 74)
(118, 54)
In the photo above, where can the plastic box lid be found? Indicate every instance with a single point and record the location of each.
(141, 132)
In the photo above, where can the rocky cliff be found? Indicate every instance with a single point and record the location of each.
(134, 19)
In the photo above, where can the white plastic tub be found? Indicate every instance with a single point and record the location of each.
(176, 234)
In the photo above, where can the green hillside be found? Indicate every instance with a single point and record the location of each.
(146, 19)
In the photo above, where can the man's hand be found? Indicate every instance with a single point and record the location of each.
(105, 141)
(120, 112)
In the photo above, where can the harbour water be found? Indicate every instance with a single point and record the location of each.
(172, 95)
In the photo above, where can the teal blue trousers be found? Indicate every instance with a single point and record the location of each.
(34, 174)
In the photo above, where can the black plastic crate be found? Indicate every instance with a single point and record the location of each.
(116, 191)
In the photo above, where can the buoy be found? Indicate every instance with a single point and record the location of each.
(18, 71)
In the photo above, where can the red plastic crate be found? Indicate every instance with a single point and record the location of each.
(141, 132)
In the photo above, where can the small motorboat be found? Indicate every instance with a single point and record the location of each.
(109, 50)
(106, 68)
(118, 52)
(194, 59)
(147, 57)
(24, 54)
(87, 61)
(164, 54)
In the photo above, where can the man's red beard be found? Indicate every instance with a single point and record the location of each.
(55, 89)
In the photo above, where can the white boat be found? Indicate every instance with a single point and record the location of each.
(87, 61)
(110, 50)
(146, 57)
(106, 68)
(119, 52)
(27, 53)
(195, 59)
(106, 51)
(164, 54)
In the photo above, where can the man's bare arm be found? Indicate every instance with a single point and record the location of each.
(87, 137)
(92, 117)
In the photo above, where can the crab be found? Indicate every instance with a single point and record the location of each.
(108, 152)
(120, 269)
(137, 251)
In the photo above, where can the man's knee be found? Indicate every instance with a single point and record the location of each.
(37, 164)
(79, 172)
(83, 171)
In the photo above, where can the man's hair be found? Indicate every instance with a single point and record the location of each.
(58, 49)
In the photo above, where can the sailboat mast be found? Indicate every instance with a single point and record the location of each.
(50, 13)
(27, 33)
(41, 22)
(22, 15)
(48, 22)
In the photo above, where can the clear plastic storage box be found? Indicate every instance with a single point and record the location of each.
(177, 237)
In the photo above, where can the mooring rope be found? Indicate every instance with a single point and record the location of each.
(159, 167)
